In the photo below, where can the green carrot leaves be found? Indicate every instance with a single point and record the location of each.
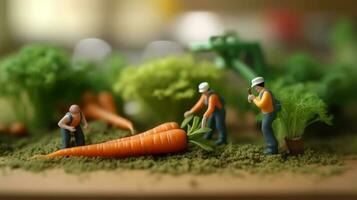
(203, 144)
(195, 132)
(199, 131)
(186, 121)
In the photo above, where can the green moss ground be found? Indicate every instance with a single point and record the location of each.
(233, 158)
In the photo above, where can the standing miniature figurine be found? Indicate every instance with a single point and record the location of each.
(70, 126)
(215, 115)
(269, 107)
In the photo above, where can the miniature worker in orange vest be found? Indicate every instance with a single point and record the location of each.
(269, 107)
(215, 115)
(70, 126)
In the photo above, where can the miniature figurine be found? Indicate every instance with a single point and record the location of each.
(70, 126)
(269, 107)
(215, 114)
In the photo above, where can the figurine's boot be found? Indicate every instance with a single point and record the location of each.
(220, 142)
(271, 151)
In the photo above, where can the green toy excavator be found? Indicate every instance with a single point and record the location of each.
(234, 53)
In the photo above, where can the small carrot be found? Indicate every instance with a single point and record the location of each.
(88, 98)
(161, 128)
(106, 101)
(170, 141)
(95, 112)
(18, 129)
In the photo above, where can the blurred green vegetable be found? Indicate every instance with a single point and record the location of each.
(340, 78)
(40, 79)
(300, 108)
(165, 88)
(339, 85)
(301, 67)
(101, 76)
(40, 74)
(335, 81)
(343, 42)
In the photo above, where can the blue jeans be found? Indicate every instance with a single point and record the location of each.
(66, 137)
(268, 133)
(217, 121)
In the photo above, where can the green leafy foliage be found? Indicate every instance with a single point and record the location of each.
(301, 67)
(42, 75)
(300, 108)
(35, 67)
(41, 78)
(165, 87)
(335, 83)
(100, 76)
(195, 132)
(343, 41)
(339, 85)
(186, 121)
(340, 78)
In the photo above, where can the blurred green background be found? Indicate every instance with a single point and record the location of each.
(138, 50)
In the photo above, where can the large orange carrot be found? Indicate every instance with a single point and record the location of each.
(147, 143)
(161, 128)
(95, 112)
(174, 140)
(106, 101)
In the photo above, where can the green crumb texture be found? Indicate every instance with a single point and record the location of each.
(232, 158)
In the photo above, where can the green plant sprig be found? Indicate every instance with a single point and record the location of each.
(195, 132)
(300, 108)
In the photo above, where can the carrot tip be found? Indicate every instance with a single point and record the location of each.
(38, 157)
(132, 131)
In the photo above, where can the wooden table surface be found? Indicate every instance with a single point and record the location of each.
(56, 184)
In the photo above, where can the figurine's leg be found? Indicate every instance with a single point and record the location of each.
(220, 119)
(79, 136)
(268, 133)
(66, 138)
(210, 124)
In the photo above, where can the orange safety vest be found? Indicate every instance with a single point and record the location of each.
(74, 121)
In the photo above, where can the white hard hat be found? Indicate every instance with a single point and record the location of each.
(203, 87)
(257, 80)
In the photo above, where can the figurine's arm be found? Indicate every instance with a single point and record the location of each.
(263, 102)
(63, 124)
(199, 105)
(84, 121)
(212, 102)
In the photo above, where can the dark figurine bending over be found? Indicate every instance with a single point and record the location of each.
(70, 126)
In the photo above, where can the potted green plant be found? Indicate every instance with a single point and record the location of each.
(300, 108)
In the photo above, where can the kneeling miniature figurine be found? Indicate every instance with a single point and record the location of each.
(70, 126)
